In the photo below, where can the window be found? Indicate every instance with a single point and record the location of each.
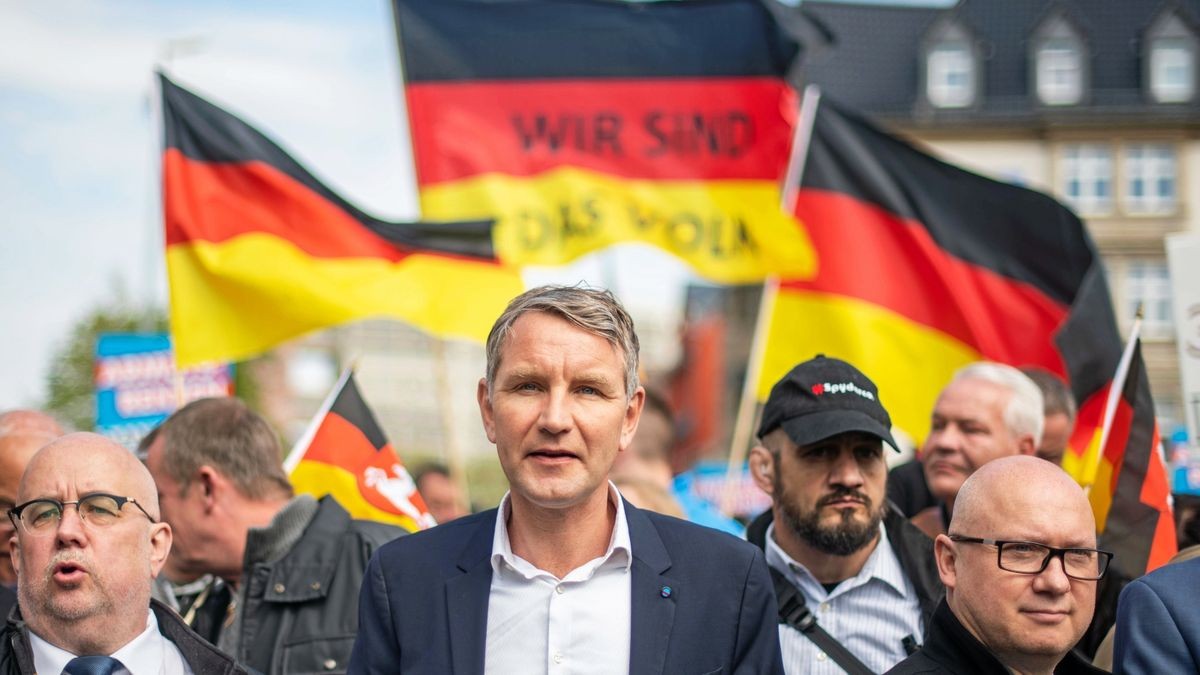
(1172, 76)
(1148, 284)
(1087, 177)
(1060, 72)
(950, 76)
(1149, 178)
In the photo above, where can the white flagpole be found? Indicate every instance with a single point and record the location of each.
(1114, 396)
(743, 425)
(298, 450)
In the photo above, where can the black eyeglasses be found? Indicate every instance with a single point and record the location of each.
(1027, 557)
(42, 516)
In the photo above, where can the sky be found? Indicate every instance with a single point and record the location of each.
(80, 225)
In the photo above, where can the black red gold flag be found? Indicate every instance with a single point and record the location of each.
(259, 250)
(925, 267)
(583, 123)
(348, 456)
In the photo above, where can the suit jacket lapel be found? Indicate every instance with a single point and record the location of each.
(467, 600)
(652, 603)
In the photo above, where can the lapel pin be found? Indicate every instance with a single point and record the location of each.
(665, 592)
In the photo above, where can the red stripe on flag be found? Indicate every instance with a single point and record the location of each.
(1156, 493)
(867, 253)
(217, 202)
(1118, 440)
(665, 129)
(340, 443)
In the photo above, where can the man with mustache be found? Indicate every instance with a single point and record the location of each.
(1020, 566)
(989, 410)
(89, 543)
(855, 580)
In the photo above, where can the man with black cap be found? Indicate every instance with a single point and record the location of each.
(856, 582)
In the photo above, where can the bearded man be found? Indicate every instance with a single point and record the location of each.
(855, 581)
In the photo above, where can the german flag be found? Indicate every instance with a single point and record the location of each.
(348, 456)
(1131, 493)
(259, 250)
(922, 268)
(582, 123)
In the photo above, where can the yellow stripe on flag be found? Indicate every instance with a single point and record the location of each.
(1084, 468)
(908, 362)
(319, 479)
(243, 296)
(1101, 494)
(731, 231)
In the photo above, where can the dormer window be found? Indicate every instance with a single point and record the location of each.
(1059, 62)
(1059, 73)
(1172, 70)
(950, 75)
(1169, 58)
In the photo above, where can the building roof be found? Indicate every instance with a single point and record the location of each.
(875, 61)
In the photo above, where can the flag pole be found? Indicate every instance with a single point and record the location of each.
(1114, 396)
(453, 448)
(789, 190)
(297, 452)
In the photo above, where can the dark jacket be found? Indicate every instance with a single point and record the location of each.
(700, 601)
(950, 648)
(912, 547)
(16, 656)
(301, 611)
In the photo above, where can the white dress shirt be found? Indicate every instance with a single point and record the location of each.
(870, 613)
(538, 623)
(147, 654)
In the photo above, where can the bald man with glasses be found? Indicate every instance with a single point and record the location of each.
(1020, 565)
(88, 545)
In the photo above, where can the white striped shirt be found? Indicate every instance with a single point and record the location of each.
(870, 613)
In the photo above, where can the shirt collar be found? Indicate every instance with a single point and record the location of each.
(882, 564)
(619, 551)
(143, 655)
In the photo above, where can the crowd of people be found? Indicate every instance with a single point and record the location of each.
(195, 556)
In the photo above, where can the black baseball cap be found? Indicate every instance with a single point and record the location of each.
(824, 397)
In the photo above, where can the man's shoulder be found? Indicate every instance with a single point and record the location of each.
(441, 540)
(677, 533)
(1168, 580)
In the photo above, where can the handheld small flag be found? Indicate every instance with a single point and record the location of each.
(345, 454)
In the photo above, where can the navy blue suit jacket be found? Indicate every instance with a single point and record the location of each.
(424, 601)
(1158, 622)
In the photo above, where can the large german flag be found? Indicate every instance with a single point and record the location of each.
(348, 456)
(583, 123)
(922, 268)
(259, 250)
(1131, 493)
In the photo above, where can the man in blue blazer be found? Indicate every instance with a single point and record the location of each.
(565, 575)
(1158, 622)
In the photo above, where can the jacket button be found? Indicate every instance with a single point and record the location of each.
(279, 588)
(329, 664)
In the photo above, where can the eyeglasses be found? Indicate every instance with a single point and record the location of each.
(42, 516)
(1027, 557)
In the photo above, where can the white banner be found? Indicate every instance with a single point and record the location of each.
(1183, 259)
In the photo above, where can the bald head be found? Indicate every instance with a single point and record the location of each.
(29, 421)
(109, 465)
(1019, 486)
(1028, 619)
(84, 577)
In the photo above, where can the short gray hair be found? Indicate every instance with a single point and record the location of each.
(596, 311)
(225, 434)
(1023, 414)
